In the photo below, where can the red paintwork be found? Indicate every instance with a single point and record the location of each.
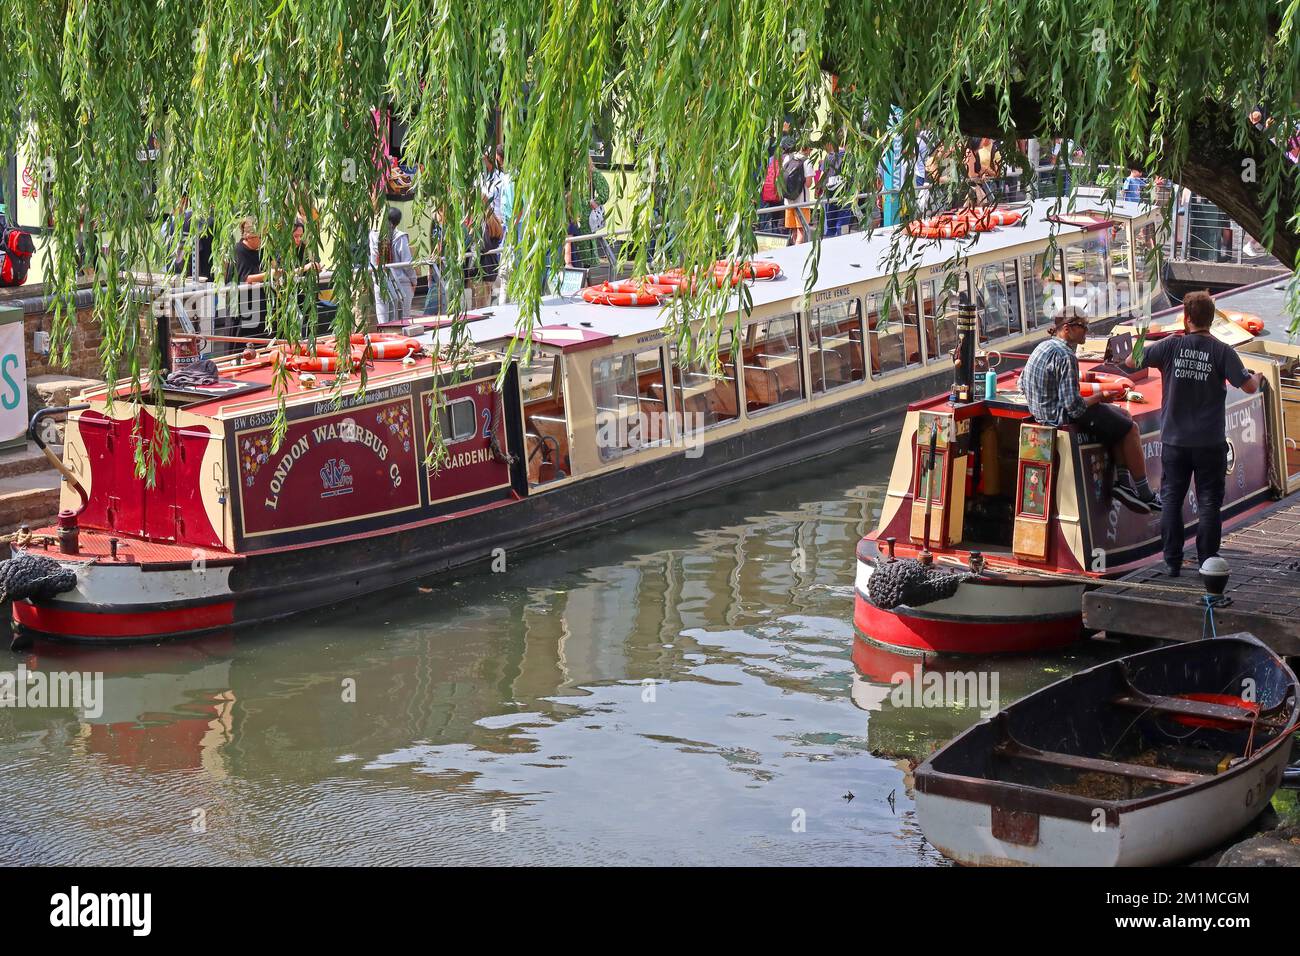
(95, 546)
(963, 636)
(470, 466)
(120, 502)
(879, 663)
(329, 468)
(52, 620)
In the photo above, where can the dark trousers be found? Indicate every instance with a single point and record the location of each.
(1178, 466)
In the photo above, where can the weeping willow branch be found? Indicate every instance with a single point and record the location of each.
(275, 109)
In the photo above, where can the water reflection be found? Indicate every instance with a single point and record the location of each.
(676, 691)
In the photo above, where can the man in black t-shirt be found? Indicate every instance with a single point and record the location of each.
(1193, 368)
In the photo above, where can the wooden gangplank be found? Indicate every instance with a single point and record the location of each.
(1264, 558)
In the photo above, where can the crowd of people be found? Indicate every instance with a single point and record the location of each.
(805, 189)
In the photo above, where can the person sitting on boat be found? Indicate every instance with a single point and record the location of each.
(1194, 368)
(1051, 385)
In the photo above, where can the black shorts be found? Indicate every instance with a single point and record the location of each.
(1106, 422)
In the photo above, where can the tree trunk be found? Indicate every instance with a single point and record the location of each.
(1215, 166)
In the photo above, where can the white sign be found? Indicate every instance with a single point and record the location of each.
(13, 382)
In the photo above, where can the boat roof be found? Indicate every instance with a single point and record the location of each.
(1266, 299)
(844, 260)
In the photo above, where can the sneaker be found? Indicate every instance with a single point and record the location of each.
(1151, 499)
(1130, 499)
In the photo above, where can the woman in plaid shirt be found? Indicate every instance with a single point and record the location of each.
(1050, 382)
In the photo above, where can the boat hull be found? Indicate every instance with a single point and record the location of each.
(1155, 835)
(1144, 760)
(991, 615)
(126, 602)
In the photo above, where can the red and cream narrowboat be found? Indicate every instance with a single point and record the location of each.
(606, 420)
(1016, 519)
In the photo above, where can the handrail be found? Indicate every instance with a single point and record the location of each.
(34, 434)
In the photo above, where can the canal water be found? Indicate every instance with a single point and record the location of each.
(679, 690)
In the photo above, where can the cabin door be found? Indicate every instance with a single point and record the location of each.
(160, 500)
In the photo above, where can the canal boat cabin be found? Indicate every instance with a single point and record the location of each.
(604, 419)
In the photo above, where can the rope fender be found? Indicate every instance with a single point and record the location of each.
(912, 583)
(34, 576)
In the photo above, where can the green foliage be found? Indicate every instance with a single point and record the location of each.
(265, 108)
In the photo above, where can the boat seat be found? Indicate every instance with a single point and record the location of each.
(555, 429)
(1182, 707)
(1133, 771)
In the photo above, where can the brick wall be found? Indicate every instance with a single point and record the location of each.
(83, 361)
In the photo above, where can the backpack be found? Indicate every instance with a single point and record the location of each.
(13, 269)
(16, 248)
(770, 196)
(19, 243)
(792, 177)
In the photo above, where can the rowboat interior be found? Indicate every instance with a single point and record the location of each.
(1135, 727)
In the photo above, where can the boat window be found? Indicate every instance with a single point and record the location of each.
(997, 298)
(537, 378)
(1042, 296)
(706, 395)
(939, 306)
(1086, 265)
(631, 407)
(458, 420)
(894, 333)
(837, 355)
(1144, 244)
(1120, 275)
(773, 374)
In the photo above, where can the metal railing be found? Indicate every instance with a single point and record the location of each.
(1202, 232)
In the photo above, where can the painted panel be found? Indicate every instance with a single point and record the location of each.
(470, 468)
(333, 467)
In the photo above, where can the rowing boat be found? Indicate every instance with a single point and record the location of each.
(1142, 761)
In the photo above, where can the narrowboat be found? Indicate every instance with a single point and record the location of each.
(606, 420)
(1145, 760)
(1012, 520)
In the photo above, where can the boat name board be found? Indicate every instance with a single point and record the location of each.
(264, 418)
(340, 466)
(833, 295)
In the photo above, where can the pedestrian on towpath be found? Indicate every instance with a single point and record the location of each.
(1194, 368)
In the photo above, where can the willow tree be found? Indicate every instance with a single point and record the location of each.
(269, 107)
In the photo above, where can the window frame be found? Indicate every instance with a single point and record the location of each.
(446, 414)
(800, 353)
(813, 323)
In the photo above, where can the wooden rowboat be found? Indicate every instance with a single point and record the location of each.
(1142, 761)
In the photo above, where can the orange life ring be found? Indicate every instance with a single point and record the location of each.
(1247, 321)
(629, 292)
(387, 345)
(1105, 384)
(957, 225)
(944, 226)
(758, 270)
(1226, 700)
(301, 362)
